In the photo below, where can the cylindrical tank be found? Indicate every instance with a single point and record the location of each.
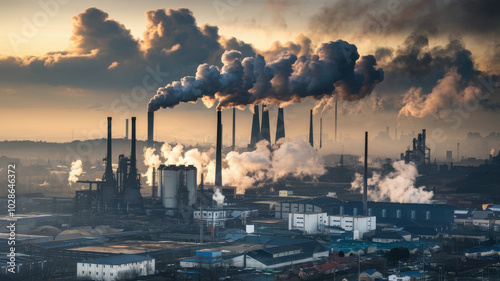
(169, 187)
(191, 174)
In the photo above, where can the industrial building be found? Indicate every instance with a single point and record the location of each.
(317, 223)
(177, 187)
(118, 267)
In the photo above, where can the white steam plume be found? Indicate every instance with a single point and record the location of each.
(492, 152)
(76, 171)
(397, 186)
(218, 197)
(152, 161)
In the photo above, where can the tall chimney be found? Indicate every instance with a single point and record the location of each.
(254, 138)
(234, 130)
(218, 156)
(126, 129)
(151, 119)
(280, 125)
(133, 159)
(336, 119)
(264, 129)
(109, 168)
(311, 137)
(154, 190)
(458, 152)
(108, 186)
(365, 178)
(131, 192)
(320, 132)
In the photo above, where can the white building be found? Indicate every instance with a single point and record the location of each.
(117, 267)
(315, 223)
(216, 217)
(285, 193)
(399, 278)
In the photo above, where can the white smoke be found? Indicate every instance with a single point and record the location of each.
(45, 183)
(76, 171)
(397, 186)
(492, 152)
(152, 161)
(242, 170)
(218, 197)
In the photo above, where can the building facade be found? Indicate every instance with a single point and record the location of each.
(118, 267)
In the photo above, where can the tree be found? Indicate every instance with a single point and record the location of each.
(397, 254)
(341, 254)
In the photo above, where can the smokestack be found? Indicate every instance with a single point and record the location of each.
(109, 168)
(234, 130)
(320, 132)
(151, 119)
(218, 159)
(154, 189)
(254, 138)
(311, 137)
(133, 159)
(264, 129)
(280, 125)
(458, 152)
(131, 192)
(336, 119)
(126, 129)
(365, 178)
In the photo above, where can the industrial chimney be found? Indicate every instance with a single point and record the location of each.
(254, 138)
(320, 132)
(151, 119)
(126, 129)
(336, 119)
(131, 192)
(233, 147)
(264, 129)
(280, 125)
(365, 178)
(218, 156)
(311, 137)
(108, 186)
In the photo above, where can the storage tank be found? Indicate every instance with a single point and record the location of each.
(169, 182)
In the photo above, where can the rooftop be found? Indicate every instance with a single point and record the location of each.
(119, 259)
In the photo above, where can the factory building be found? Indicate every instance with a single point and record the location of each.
(118, 267)
(420, 154)
(177, 187)
(316, 223)
(316, 205)
(214, 217)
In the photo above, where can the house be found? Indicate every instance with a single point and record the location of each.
(370, 275)
(116, 267)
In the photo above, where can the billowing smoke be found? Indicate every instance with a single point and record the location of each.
(76, 171)
(397, 186)
(492, 152)
(446, 94)
(218, 197)
(335, 68)
(152, 161)
(293, 158)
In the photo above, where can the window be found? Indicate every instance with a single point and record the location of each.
(104, 266)
(90, 272)
(370, 211)
(384, 213)
(355, 212)
(427, 215)
(96, 273)
(413, 214)
(111, 266)
(83, 271)
(111, 274)
(398, 214)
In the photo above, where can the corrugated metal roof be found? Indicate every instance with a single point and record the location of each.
(119, 259)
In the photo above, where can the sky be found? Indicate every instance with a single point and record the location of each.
(65, 65)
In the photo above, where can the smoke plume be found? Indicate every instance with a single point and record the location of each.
(242, 170)
(76, 171)
(397, 186)
(335, 68)
(218, 197)
(152, 161)
(446, 94)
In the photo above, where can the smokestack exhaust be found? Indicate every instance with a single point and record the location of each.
(218, 159)
(365, 178)
(311, 137)
(151, 119)
(280, 125)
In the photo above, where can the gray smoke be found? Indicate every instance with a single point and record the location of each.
(335, 68)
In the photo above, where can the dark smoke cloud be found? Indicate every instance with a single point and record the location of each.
(475, 17)
(104, 54)
(285, 79)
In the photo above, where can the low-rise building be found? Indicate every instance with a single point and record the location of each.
(116, 267)
(317, 223)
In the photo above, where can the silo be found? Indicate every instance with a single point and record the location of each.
(191, 174)
(169, 186)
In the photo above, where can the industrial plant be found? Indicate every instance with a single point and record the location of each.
(250, 140)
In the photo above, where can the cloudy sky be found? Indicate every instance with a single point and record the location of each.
(66, 65)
